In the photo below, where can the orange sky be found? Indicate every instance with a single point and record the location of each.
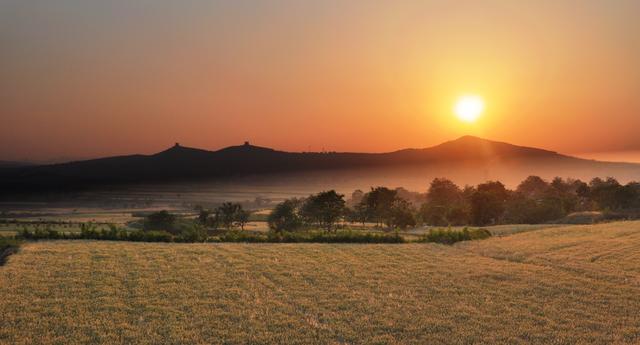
(84, 79)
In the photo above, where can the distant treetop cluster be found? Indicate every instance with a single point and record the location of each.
(446, 204)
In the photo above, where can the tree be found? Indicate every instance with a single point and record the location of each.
(358, 214)
(635, 186)
(402, 214)
(533, 187)
(582, 189)
(626, 196)
(520, 209)
(242, 218)
(443, 192)
(378, 203)
(161, 220)
(433, 214)
(208, 218)
(414, 198)
(445, 204)
(565, 193)
(603, 192)
(324, 209)
(356, 197)
(232, 214)
(227, 213)
(203, 216)
(193, 233)
(285, 216)
(488, 203)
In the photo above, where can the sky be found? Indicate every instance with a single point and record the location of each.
(91, 78)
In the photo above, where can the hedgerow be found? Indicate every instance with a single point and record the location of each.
(8, 246)
(312, 237)
(198, 234)
(450, 236)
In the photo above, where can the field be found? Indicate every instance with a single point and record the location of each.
(561, 285)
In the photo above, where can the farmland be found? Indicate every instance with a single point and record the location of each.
(576, 284)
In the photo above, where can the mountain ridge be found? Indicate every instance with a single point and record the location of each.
(186, 163)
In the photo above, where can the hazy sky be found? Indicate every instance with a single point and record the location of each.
(86, 78)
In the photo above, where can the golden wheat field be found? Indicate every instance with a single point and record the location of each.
(562, 285)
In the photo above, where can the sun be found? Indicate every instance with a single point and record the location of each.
(468, 108)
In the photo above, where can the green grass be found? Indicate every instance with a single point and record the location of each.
(564, 285)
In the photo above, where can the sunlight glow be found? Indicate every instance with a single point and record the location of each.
(468, 108)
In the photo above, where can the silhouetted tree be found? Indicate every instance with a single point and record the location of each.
(488, 203)
(402, 214)
(378, 203)
(566, 193)
(358, 214)
(242, 218)
(522, 210)
(414, 198)
(285, 216)
(232, 214)
(627, 196)
(203, 216)
(324, 209)
(161, 220)
(356, 197)
(445, 204)
(443, 192)
(208, 218)
(533, 187)
(603, 192)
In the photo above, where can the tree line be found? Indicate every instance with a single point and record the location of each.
(227, 215)
(534, 200)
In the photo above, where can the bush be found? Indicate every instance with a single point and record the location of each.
(312, 237)
(89, 232)
(8, 246)
(448, 236)
(198, 234)
(39, 233)
(162, 220)
(593, 217)
(149, 236)
(355, 237)
(193, 233)
(242, 236)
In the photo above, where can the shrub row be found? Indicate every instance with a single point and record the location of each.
(312, 237)
(437, 236)
(8, 246)
(104, 235)
(449, 236)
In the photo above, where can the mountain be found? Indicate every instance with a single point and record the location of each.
(180, 163)
(11, 164)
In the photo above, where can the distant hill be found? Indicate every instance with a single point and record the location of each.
(10, 164)
(180, 163)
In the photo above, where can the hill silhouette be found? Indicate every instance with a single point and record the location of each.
(12, 164)
(185, 163)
